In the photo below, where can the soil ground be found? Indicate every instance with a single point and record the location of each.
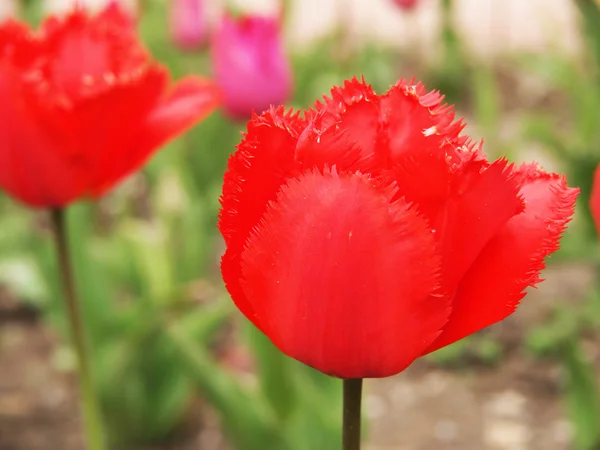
(515, 405)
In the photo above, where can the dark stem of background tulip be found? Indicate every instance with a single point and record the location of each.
(91, 413)
(352, 401)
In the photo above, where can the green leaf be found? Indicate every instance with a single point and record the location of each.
(202, 323)
(544, 130)
(245, 415)
(273, 371)
(148, 243)
(95, 289)
(486, 102)
(317, 419)
(590, 16)
(452, 354)
(582, 397)
(144, 393)
(488, 350)
(548, 338)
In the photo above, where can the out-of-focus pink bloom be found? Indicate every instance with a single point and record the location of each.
(250, 64)
(406, 4)
(188, 23)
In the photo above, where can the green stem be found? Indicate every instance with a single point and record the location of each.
(89, 403)
(450, 39)
(352, 400)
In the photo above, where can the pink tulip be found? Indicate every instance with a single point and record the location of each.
(250, 64)
(406, 4)
(188, 23)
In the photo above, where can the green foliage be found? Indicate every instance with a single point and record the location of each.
(245, 414)
(548, 338)
(292, 408)
(590, 17)
(274, 373)
(582, 397)
(143, 391)
(558, 338)
(481, 348)
(567, 322)
(152, 332)
(574, 137)
(451, 74)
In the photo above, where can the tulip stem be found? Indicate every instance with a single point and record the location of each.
(352, 401)
(89, 403)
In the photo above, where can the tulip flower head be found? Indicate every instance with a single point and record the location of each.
(369, 232)
(189, 26)
(595, 199)
(250, 65)
(84, 105)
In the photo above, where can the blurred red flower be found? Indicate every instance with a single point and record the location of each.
(406, 4)
(595, 199)
(83, 105)
(369, 232)
(250, 64)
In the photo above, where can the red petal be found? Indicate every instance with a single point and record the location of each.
(512, 261)
(357, 130)
(425, 178)
(16, 43)
(191, 99)
(85, 54)
(344, 131)
(467, 202)
(340, 278)
(31, 141)
(262, 163)
(342, 99)
(595, 199)
(479, 205)
(103, 128)
(142, 122)
(416, 121)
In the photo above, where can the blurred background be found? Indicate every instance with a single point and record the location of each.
(177, 366)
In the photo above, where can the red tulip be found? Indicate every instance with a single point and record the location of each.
(83, 105)
(406, 4)
(369, 232)
(595, 199)
(188, 23)
(250, 65)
